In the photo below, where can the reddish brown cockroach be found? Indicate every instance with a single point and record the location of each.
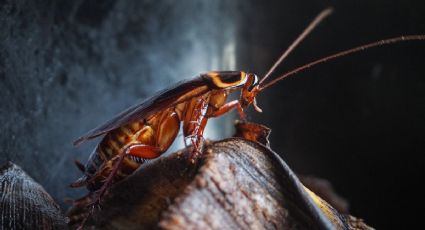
(147, 130)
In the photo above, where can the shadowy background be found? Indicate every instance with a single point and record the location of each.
(67, 66)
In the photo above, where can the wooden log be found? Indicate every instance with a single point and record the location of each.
(238, 184)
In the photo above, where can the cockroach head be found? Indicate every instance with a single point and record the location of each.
(250, 91)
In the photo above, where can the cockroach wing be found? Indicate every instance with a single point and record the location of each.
(175, 94)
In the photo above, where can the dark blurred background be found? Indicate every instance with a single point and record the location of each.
(67, 66)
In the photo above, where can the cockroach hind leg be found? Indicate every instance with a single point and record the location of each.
(92, 202)
(98, 195)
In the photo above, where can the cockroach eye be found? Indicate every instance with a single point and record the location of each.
(254, 79)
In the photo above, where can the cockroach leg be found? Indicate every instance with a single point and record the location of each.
(99, 193)
(196, 140)
(136, 150)
(196, 143)
(194, 125)
(229, 106)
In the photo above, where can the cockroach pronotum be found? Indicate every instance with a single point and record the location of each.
(146, 130)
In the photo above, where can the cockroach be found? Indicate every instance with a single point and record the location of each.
(146, 130)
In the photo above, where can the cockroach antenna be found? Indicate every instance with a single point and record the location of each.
(313, 24)
(319, 18)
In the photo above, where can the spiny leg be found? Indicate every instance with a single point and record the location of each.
(197, 145)
(195, 140)
(201, 117)
(194, 124)
(95, 202)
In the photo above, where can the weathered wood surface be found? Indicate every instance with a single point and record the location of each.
(24, 204)
(238, 184)
(235, 188)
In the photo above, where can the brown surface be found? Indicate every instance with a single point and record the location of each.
(238, 184)
(229, 190)
(234, 189)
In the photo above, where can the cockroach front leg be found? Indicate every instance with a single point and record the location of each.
(227, 107)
